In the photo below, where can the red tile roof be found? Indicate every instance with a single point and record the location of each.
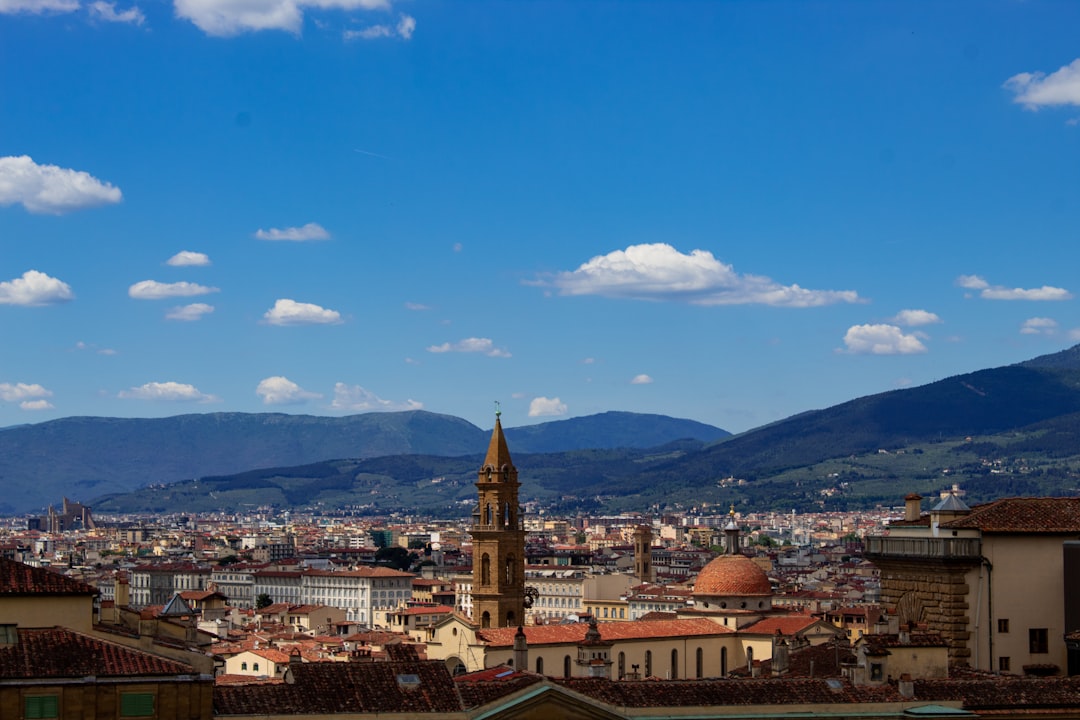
(690, 693)
(983, 694)
(17, 578)
(786, 624)
(1023, 515)
(631, 630)
(62, 653)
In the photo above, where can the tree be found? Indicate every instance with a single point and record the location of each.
(262, 601)
(396, 557)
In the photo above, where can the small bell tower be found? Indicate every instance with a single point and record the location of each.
(498, 535)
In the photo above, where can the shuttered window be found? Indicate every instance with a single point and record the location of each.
(40, 707)
(136, 704)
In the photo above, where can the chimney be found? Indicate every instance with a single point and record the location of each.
(906, 687)
(122, 590)
(780, 655)
(912, 507)
(521, 650)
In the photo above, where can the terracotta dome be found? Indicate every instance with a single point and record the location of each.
(732, 576)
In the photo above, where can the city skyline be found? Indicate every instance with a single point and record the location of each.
(726, 212)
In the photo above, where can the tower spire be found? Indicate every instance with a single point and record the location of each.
(498, 454)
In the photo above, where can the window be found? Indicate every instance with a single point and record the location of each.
(539, 666)
(136, 704)
(622, 665)
(255, 667)
(38, 707)
(243, 666)
(877, 671)
(1003, 625)
(1038, 640)
(648, 663)
(1003, 664)
(700, 662)
(674, 664)
(723, 661)
(566, 666)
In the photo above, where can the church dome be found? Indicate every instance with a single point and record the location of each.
(732, 576)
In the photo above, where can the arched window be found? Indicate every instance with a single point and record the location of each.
(648, 663)
(510, 569)
(539, 666)
(622, 665)
(243, 666)
(566, 666)
(485, 620)
(487, 515)
(511, 619)
(506, 514)
(700, 663)
(750, 659)
(674, 664)
(485, 569)
(255, 667)
(723, 661)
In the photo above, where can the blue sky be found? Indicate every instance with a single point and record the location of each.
(725, 211)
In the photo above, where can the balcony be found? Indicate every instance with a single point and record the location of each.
(963, 550)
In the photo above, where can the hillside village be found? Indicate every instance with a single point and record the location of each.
(933, 607)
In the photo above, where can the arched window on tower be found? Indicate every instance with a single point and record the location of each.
(487, 515)
(510, 575)
(506, 515)
(485, 569)
(485, 620)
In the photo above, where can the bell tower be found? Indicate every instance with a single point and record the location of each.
(498, 536)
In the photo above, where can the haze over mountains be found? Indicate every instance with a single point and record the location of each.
(1008, 430)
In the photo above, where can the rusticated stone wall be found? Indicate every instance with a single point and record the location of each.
(934, 593)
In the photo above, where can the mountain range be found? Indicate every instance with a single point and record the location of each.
(1007, 430)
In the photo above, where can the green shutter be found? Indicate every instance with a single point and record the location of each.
(40, 707)
(136, 704)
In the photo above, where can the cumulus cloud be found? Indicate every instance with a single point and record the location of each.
(416, 306)
(1034, 90)
(304, 233)
(471, 345)
(34, 288)
(290, 312)
(36, 405)
(658, 271)
(914, 318)
(187, 258)
(38, 7)
(1039, 326)
(280, 390)
(107, 11)
(51, 189)
(641, 379)
(80, 345)
(881, 340)
(154, 290)
(231, 17)
(353, 398)
(24, 393)
(1000, 292)
(167, 392)
(404, 30)
(543, 407)
(189, 313)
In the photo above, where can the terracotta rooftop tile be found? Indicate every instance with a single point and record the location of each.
(62, 653)
(17, 578)
(1023, 515)
(632, 630)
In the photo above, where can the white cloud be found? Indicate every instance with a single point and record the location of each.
(189, 313)
(154, 290)
(290, 312)
(1039, 326)
(51, 189)
(881, 340)
(80, 345)
(167, 391)
(471, 345)
(416, 306)
(107, 11)
(1036, 90)
(1000, 292)
(588, 361)
(304, 233)
(36, 405)
(37, 7)
(187, 258)
(404, 30)
(914, 318)
(231, 17)
(658, 271)
(641, 379)
(34, 288)
(21, 392)
(353, 398)
(279, 390)
(543, 407)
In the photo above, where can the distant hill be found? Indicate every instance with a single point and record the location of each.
(1010, 430)
(87, 457)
